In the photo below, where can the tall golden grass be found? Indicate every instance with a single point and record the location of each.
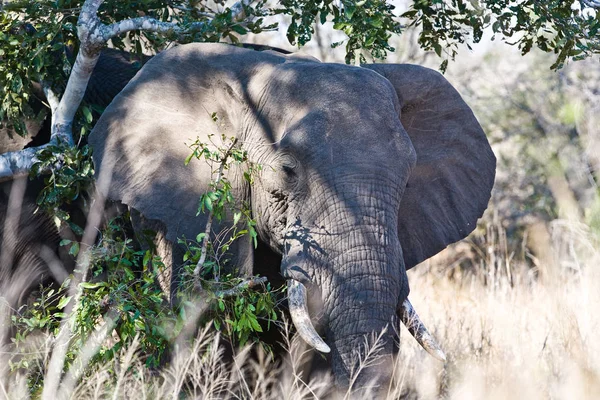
(507, 334)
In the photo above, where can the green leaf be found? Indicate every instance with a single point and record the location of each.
(376, 22)
(239, 29)
(147, 257)
(324, 16)
(208, 203)
(87, 113)
(74, 250)
(349, 11)
(443, 66)
(63, 302)
(90, 285)
(189, 158)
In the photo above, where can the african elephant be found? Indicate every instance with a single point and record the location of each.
(367, 171)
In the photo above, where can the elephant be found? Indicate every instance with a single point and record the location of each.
(367, 171)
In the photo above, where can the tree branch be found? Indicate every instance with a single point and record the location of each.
(51, 97)
(17, 163)
(211, 214)
(93, 36)
(237, 289)
(591, 3)
(148, 24)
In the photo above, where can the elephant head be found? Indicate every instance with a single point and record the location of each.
(367, 171)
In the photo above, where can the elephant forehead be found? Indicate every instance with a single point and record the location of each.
(312, 84)
(326, 101)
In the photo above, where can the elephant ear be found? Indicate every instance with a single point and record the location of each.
(140, 144)
(451, 183)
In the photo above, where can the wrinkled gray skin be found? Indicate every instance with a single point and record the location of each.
(366, 171)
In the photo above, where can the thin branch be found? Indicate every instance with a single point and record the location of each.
(240, 287)
(51, 97)
(148, 24)
(211, 215)
(591, 3)
(237, 10)
(154, 25)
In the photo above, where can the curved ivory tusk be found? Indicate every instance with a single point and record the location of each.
(409, 317)
(301, 318)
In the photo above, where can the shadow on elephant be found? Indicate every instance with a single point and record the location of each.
(366, 172)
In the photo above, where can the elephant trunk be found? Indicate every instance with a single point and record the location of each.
(349, 250)
(361, 331)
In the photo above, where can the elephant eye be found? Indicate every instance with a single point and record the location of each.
(288, 166)
(289, 170)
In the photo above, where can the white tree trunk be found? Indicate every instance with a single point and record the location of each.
(93, 35)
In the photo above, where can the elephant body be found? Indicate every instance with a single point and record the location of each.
(366, 171)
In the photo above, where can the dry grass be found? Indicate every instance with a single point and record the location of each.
(534, 339)
(521, 337)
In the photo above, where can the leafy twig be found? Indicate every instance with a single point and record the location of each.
(205, 240)
(240, 287)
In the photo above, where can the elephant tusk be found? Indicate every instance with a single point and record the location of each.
(301, 318)
(411, 320)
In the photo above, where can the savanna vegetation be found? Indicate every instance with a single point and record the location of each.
(513, 306)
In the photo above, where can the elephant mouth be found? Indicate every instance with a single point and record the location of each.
(406, 312)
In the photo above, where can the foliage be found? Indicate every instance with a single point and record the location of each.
(237, 314)
(121, 285)
(70, 178)
(122, 281)
(368, 24)
(38, 39)
(565, 27)
(219, 199)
